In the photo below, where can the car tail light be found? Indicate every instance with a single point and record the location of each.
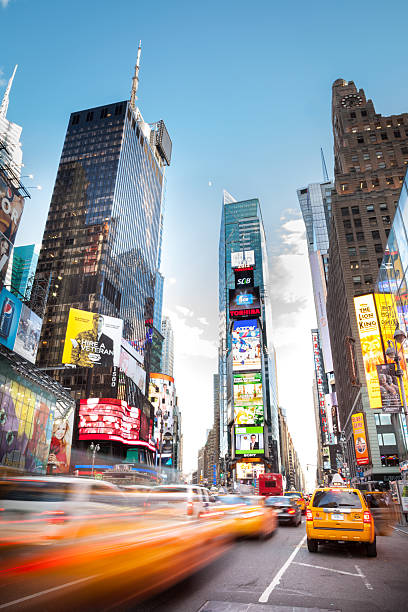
(367, 517)
(190, 508)
(309, 515)
(291, 511)
(56, 517)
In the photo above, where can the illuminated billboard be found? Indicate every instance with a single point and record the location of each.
(246, 345)
(244, 303)
(360, 438)
(60, 447)
(248, 399)
(371, 347)
(162, 394)
(20, 327)
(129, 364)
(245, 470)
(92, 339)
(389, 388)
(244, 277)
(243, 259)
(11, 209)
(108, 419)
(249, 441)
(321, 396)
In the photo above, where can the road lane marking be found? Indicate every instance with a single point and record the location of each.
(40, 593)
(329, 569)
(265, 595)
(401, 531)
(364, 579)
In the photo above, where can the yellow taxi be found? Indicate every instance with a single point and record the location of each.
(250, 516)
(339, 514)
(299, 499)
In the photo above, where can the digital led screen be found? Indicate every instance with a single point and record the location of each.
(244, 303)
(371, 347)
(248, 399)
(241, 259)
(108, 419)
(249, 441)
(246, 346)
(360, 438)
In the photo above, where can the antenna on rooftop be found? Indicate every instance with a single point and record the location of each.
(135, 79)
(5, 101)
(324, 167)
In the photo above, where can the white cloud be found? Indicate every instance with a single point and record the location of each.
(189, 339)
(185, 311)
(4, 3)
(3, 81)
(172, 280)
(202, 320)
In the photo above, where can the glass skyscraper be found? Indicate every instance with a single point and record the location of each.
(24, 265)
(242, 229)
(100, 249)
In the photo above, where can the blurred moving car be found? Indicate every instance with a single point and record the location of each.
(251, 517)
(298, 497)
(181, 500)
(339, 515)
(287, 508)
(36, 510)
(383, 509)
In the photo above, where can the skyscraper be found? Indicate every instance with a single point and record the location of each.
(25, 260)
(167, 363)
(100, 249)
(241, 231)
(10, 133)
(371, 153)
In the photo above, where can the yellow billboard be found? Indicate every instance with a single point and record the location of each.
(371, 347)
(360, 439)
(92, 339)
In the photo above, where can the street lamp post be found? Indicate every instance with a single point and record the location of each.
(94, 448)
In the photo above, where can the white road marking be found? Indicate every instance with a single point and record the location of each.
(329, 569)
(265, 595)
(401, 531)
(363, 578)
(40, 593)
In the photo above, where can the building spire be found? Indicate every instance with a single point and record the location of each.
(135, 79)
(5, 101)
(324, 167)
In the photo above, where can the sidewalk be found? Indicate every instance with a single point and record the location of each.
(401, 528)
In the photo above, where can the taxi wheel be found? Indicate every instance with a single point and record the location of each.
(371, 548)
(312, 545)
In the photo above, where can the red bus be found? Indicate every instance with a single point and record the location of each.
(270, 484)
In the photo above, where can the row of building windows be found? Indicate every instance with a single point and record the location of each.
(388, 121)
(355, 210)
(363, 250)
(104, 113)
(360, 236)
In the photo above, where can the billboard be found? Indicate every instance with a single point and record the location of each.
(246, 345)
(108, 419)
(20, 327)
(249, 441)
(6, 248)
(244, 277)
(10, 309)
(244, 303)
(245, 470)
(243, 259)
(129, 364)
(360, 438)
(320, 296)
(162, 395)
(248, 399)
(371, 347)
(60, 447)
(92, 339)
(321, 396)
(389, 388)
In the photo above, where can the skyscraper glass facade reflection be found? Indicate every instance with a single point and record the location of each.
(242, 229)
(100, 247)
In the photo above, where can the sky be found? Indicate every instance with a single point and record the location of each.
(245, 91)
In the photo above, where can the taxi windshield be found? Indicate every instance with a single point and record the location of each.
(293, 494)
(336, 499)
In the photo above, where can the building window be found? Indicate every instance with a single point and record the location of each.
(349, 238)
(354, 265)
(75, 120)
(378, 248)
(397, 134)
(375, 182)
(379, 154)
(386, 219)
(365, 263)
(387, 232)
(381, 165)
(354, 158)
(372, 221)
(355, 210)
(360, 236)
(352, 251)
(363, 184)
(345, 212)
(364, 113)
(89, 116)
(383, 419)
(368, 167)
(386, 439)
(379, 262)
(357, 222)
(360, 140)
(347, 224)
(389, 180)
(104, 113)
(357, 280)
(344, 186)
(363, 250)
(370, 207)
(366, 156)
(404, 150)
(383, 206)
(368, 279)
(376, 235)
(373, 138)
(353, 115)
(384, 136)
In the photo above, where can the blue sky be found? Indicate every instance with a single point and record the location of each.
(245, 90)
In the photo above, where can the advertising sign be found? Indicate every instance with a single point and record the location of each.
(244, 303)
(5, 251)
(11, 209)
(108, 419)
(248, 399)
(389, 389)
(244, 470)
(60, 448)
(360, 438)
(403, 491)
(10, 309)
(244, 277)
(243, 259)
(371, 347)
(246, 346)
(326, 458)
(128, 363)
(249, 441)
(320, 295)
(162, 395)
(321, 398)
(92, 339)
(28, 334)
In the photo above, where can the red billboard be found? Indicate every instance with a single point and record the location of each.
(108, 419)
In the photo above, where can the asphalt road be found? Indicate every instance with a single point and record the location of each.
(280, 574)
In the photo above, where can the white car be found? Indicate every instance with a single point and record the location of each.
(182, 500)
(38, 510)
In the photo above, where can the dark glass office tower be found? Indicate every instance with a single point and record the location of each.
(100, 246)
